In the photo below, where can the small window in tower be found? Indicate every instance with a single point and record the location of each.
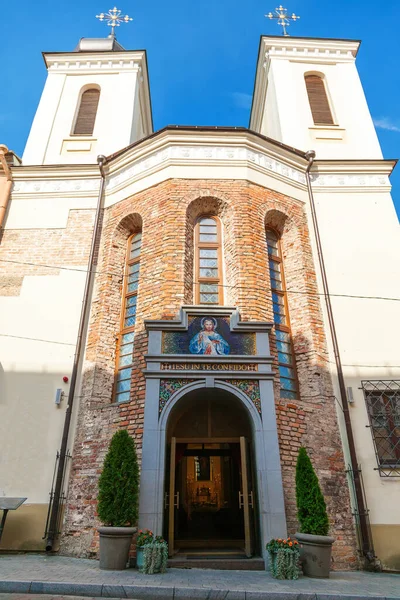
(318, 99)
(84, 123)
(208, 265)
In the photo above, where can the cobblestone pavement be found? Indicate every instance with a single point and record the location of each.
(64, 576)
(43, 597)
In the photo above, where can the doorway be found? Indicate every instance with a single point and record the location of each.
(210, 502)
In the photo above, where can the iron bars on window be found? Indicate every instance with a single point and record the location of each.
(383, 406)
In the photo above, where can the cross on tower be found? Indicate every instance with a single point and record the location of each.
(114, 18)
(282, 17)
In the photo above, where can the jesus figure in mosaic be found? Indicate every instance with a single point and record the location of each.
(208, 341)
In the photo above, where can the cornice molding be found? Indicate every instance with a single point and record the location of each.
(199, 149)
(310, 49)
(94, 62)
(182, 322)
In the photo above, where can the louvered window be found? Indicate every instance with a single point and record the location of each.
(208, 267)
(128, 321)
(284, 346)
(86, 117)
(318, 99)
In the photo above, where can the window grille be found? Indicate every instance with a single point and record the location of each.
(208, 264)
(383, 406)
(128, 320)
(318, 100)
(86, 117)
(284, 346)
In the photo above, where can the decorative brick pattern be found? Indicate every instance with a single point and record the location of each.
(166, 213)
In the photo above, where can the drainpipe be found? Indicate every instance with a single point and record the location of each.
(6, 192)
(366, 542)
(52, 530)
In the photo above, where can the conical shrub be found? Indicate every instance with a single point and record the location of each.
(311, 507)
(119, 483)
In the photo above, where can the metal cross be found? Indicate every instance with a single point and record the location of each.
(114, 18)
(283, 19)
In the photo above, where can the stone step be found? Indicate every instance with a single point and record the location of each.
(212, 562)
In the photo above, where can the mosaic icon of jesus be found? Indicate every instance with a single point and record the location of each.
(208, 341)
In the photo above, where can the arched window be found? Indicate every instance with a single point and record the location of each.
(284, 346)
(84, 122)
(208, 263)
(318, 100)
(128, 320)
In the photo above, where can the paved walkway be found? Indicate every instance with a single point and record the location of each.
(64, 576)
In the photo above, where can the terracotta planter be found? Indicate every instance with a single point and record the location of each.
(114, 547)
(315, 554)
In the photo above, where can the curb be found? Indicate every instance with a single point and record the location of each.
(148, 592)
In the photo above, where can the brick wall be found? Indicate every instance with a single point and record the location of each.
(167, 213)
(36, 251)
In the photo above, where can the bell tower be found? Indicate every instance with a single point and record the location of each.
(96, 100)
(308, 94)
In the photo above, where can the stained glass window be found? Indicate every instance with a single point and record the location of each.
(284, 346)
(127, 334)
(208, 261)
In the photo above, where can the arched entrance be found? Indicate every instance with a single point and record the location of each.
(210, 434)
(210, 499)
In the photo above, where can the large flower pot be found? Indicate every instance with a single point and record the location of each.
(315, 554)
(114, 547)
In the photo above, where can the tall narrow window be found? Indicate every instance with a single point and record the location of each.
(287, 369)
(208, 262)
(318, 99)
(84, 123)
(128, 320)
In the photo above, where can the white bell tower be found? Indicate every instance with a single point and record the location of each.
(308, 94)
(71, 127)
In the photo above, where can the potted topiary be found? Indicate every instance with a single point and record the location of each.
(316, 545)
(118, 501)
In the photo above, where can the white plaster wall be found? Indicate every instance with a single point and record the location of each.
(31, 370)
(44, 212)
(348, 103)
(271, 118)
(361, 246)
(53, 124)
(42, 125)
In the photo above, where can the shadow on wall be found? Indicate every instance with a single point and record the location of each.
(30, 432)
(319, 408)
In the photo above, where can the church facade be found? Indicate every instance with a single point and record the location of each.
(216, 291)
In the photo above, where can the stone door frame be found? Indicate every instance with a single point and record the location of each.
(271, 509)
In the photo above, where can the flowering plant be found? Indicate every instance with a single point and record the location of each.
(276, 543)
(147, 537)
(284, 555)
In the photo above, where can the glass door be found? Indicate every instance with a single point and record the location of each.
(246, 497)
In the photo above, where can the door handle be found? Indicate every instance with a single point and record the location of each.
(251, 500)
(166, 503)
(241, 500)
(177, 500)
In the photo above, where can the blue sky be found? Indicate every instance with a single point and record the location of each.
(202, 56)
